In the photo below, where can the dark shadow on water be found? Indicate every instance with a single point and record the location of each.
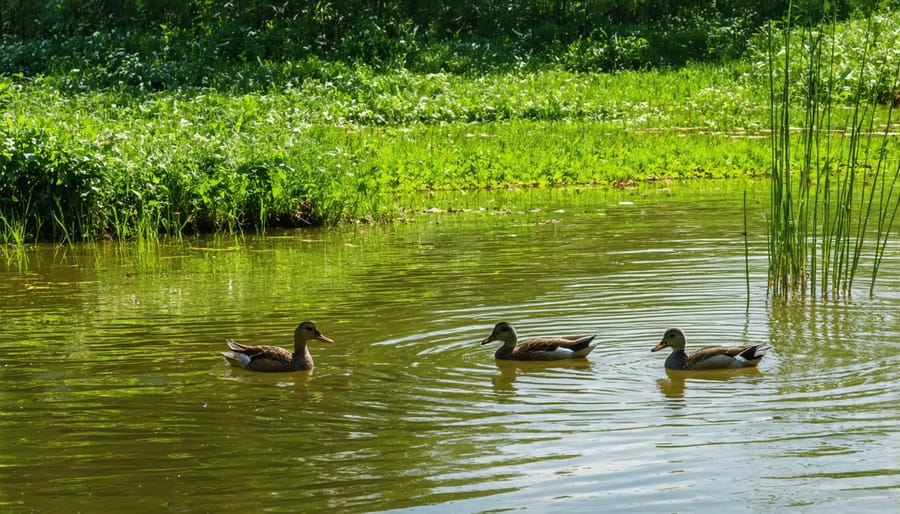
(510, 371)
(264, 379)
(677, 381)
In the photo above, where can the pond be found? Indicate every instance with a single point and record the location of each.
(115, 398)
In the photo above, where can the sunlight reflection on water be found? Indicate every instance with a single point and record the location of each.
(116, 396)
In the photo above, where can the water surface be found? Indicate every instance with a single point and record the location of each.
(114, 397)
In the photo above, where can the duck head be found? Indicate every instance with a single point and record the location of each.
(673, 338)
(504, 332)
(307, 331)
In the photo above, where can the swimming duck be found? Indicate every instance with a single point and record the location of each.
(537, 348)
(275, 358)
(712, 357)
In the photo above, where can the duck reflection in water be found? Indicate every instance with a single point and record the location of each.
(510, 371)
(676, 383)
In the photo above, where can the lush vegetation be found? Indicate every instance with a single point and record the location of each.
(126, 120)
(167, 44)
(113, 163)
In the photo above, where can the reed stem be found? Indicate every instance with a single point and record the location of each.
(819, 237)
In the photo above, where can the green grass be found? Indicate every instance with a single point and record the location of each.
(343, 143)
(123, 165)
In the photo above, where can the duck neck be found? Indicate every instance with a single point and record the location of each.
(301, 359)
(677, 360)
(505, 350)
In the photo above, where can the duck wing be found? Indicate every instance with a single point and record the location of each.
(259, 358)
(554, 348)
(725, 357)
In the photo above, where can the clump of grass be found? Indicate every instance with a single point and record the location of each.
(50, 188)
(13, 232)
(820, 216)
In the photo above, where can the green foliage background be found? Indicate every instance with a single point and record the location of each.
(166, 43)
(130, 119)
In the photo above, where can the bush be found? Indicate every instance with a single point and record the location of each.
(41, 175)
(862, 58)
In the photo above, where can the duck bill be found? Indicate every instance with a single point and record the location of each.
(321, 337)
(486, 340)
(660, 346)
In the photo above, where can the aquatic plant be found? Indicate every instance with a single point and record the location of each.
(819, 220)
(13, 232)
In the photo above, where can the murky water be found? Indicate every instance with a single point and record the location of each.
(114, 398)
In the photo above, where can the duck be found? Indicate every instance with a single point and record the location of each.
(537, 348)
(711, 357)
(275, 358)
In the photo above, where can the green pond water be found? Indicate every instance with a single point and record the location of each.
(114, 397)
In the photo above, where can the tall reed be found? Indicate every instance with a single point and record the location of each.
(888, 203)
(746, 255)
(823, 198)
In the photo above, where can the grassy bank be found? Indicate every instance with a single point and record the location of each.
(118, 164)
(80, 163)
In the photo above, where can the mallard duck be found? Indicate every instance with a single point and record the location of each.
(711, 357)
(537, 348)
(275, 358)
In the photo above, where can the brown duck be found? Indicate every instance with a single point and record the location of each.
(712, 357)
(537, 348)
(275, 358)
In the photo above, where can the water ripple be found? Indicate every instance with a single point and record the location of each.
(116, 393)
